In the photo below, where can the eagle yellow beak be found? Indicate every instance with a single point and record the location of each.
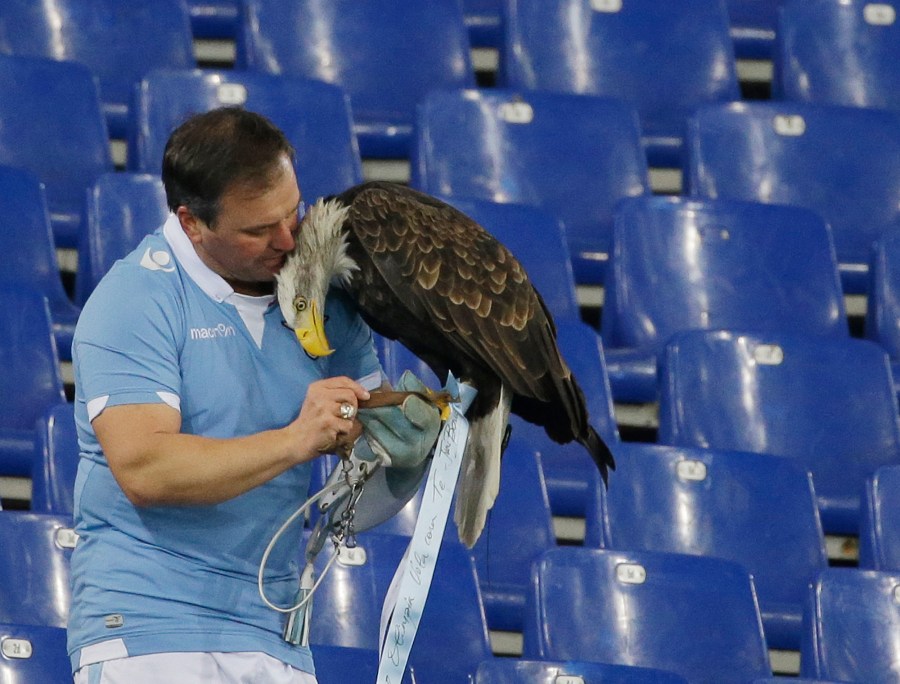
(310, 330)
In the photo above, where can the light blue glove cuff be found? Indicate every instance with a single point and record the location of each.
(400, 436)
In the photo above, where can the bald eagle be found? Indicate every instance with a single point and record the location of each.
(425, 274)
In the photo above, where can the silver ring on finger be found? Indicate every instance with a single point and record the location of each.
(348, 411)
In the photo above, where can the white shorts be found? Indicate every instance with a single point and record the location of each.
(193, 668)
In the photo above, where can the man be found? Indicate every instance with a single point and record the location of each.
(198, 414)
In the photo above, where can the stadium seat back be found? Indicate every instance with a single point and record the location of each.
(314, 116)
(837, 393)
(214, 18)
(484, 21)
(692, 615)
(35, 549)
(26, 236)
(882, 323)
(70, 146)
(842, 52)
(118, 40)
(521, 671)
(841, 162)
(56, 461)
(452, 637)
(759, 511)
(122, 208)
(725, 264)
(752, 26)
(573, 155)
(31, 381)
(665, 59)
(852, 616)
(33, 654)
(385, 54)
(334, 663)
(879, 534)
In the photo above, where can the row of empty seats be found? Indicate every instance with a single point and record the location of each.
(751, 503)
(575, 155)
(839, 163)
(751, 22)
(692, 616)
(747, 284)
(389, 55)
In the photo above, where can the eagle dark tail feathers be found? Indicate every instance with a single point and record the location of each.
(600, 452)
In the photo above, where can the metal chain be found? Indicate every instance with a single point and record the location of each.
(345, 534)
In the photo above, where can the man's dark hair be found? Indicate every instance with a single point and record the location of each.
(214, 151)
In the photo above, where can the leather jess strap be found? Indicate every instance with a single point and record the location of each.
(381, 398)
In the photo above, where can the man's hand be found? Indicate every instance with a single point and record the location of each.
(402, 436)
(320, 421)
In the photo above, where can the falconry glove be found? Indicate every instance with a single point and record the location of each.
(400, 436)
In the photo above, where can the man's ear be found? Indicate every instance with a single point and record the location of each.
(190, 224)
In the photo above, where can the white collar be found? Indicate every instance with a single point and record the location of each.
(207, 280)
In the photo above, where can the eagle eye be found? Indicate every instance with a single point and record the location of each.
(300, 304)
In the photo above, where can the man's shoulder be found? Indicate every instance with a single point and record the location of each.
(142, 283)
(150, 267)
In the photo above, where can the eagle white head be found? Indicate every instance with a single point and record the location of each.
(319, 260)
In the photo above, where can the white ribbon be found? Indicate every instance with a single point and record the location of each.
(405, 600)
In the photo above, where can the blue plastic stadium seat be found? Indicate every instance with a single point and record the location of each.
(567, 468)
(841, 162)
(843, 52)
(665, 58)
(51, 124)
(33, 654)
(573, 155)
(118, 40)
(29, 250)
(385, 54)
(214, 18)
(793, 680)
(484, 21)
(335, 664)
(315, 117)
(879, 533)
(518, 529)
(35, 549)
(759, 511)
(519, 671)
(56, 461)
(31, 381)
(882, 322)
(569, 472)
(852, 619)
(692, 615)
(121, 209)
(724, 264)
(402, 523)
(452, 637)
(828, 403)
(537, 238)
(752, 27)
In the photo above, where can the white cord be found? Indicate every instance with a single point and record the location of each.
(262, 564)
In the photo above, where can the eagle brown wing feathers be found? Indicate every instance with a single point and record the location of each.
(448, 271)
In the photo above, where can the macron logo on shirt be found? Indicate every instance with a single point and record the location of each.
(214, 332)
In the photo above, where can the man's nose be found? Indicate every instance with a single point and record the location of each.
(284, 238)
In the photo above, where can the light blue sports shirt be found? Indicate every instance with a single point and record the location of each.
(162, 327)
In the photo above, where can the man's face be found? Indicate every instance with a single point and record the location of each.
(252, 235)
